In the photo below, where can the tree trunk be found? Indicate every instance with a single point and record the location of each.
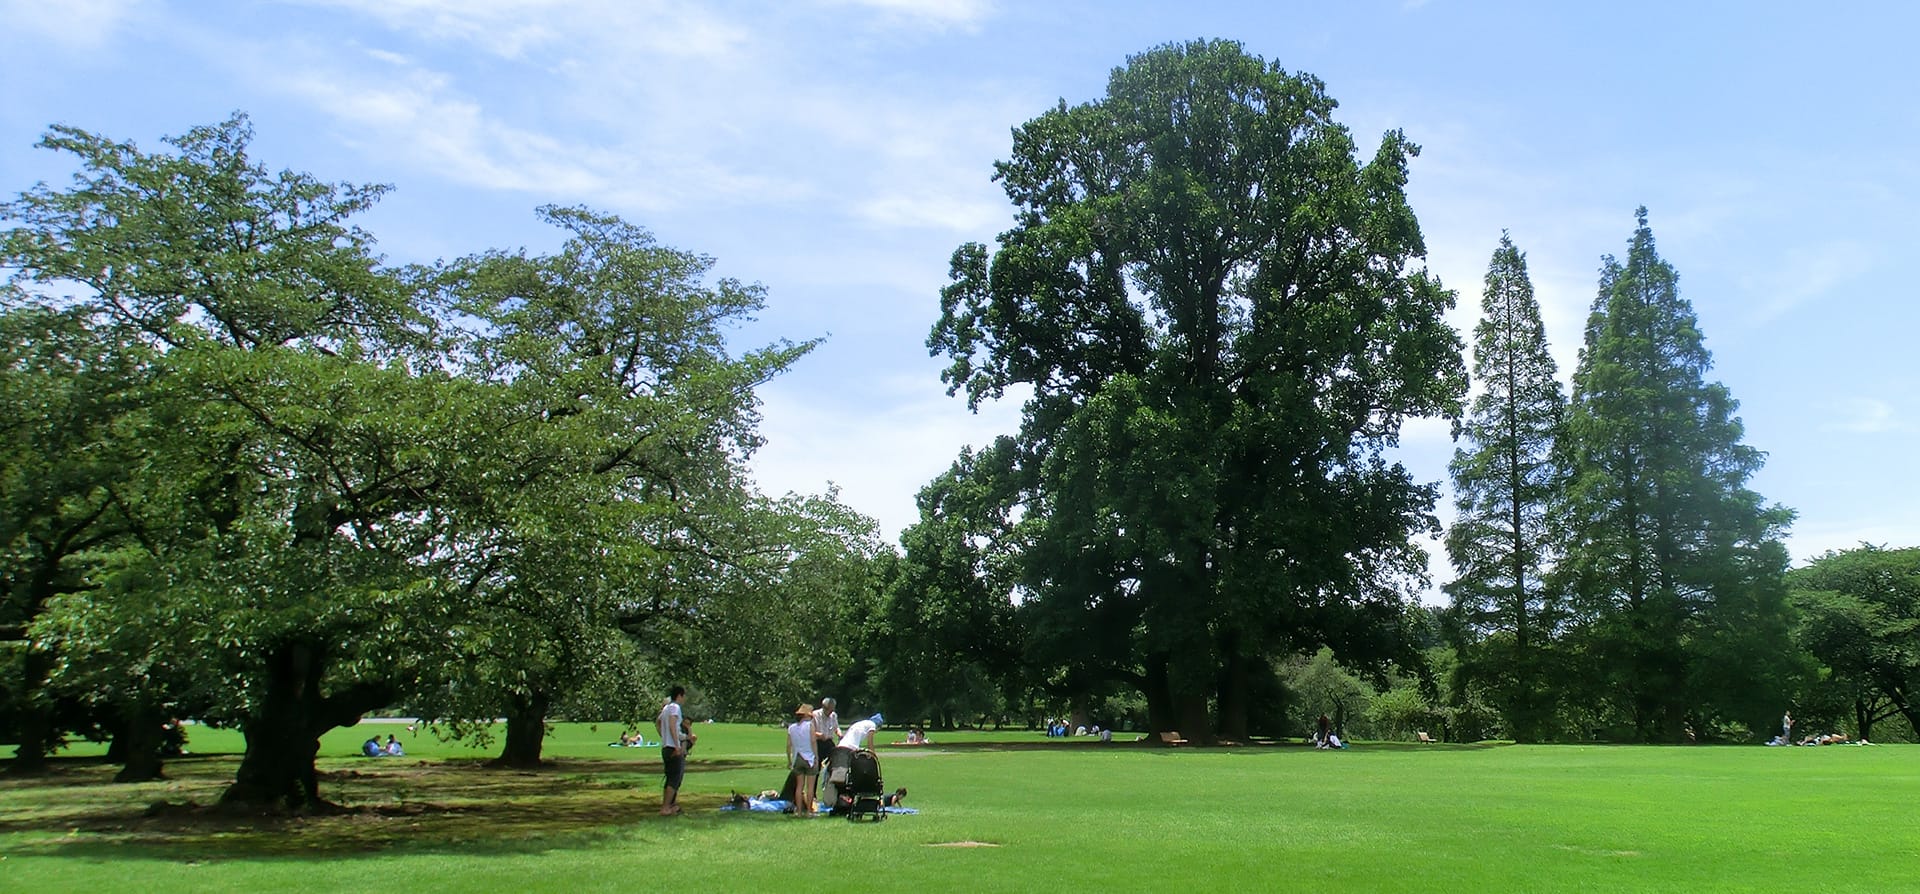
(283, 734)
(137, 738)
(35, 721)
(1863, 718)
(1159, 697)
(1192, 710)
(526, 731)
(1234, 692)
(277, 770)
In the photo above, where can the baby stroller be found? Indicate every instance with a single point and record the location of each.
(864, 787)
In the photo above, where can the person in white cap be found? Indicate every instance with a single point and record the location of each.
(859, 735)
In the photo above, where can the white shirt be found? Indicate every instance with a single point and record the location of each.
(800, 739)
(670, 725)
(859, 735)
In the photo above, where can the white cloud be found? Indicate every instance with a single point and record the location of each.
(78, 24)
(963, 211)
(880, 443)
(1866, 415)
(1809, 542)
(652, 106)
(963, 14)
(1803, 274)
(503, 27)
(518, 29)
(420, 116)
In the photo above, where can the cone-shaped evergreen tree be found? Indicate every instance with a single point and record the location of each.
(1504, 481)
(1677, 567)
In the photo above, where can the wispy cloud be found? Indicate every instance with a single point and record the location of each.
(1894, 529)
(388, 105)
(943, 14)
(1866, 415)
(1804, 274)
(78, 24)
(663, 107)
(906, 429)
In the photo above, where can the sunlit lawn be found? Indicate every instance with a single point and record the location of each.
(1058, 816)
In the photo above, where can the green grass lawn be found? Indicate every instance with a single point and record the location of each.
(1059, 816)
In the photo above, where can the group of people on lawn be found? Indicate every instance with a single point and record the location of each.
(373, 748)
(813, 737)
(1786, 736)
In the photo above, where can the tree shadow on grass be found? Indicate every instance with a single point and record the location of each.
(412, 807)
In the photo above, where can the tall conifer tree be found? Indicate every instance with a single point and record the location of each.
(1677, 566)
(1504, 481)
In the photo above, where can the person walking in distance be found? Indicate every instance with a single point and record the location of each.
(673, 750)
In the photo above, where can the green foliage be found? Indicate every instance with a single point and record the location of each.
(605, 518)
(1860, 618)
(1677, 567)
(951, 644)
(66, 393)
(1217, 308)
(318, 486)
(1505, 480)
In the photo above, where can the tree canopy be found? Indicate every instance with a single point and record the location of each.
(1677, 568)
(292, 485)
(1505, 480)
(1217, 308)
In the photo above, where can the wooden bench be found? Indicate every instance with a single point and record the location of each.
(1171, 738)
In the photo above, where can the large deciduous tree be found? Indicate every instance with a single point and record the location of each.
(950, 644)
(1217, 309)
(514, 478)
(1505, 480)
(617, 464)
(67, 391)
(288, 466)
(1677, 568)
(1860, 618)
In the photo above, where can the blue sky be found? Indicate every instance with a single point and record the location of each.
(837, 151)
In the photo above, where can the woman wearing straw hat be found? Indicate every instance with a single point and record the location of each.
(802, 759)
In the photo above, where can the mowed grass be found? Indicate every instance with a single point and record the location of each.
(999, 812)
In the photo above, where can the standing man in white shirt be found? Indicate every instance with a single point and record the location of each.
(826, 732)
(673, 750)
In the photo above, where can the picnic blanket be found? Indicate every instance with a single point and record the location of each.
(762, 805)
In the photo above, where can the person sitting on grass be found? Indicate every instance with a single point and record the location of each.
(371, 747)
(393, 748)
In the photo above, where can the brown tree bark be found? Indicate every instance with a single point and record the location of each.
(283, 735)
(526, 731)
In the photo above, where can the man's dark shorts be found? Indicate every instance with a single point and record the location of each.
(676, 765)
